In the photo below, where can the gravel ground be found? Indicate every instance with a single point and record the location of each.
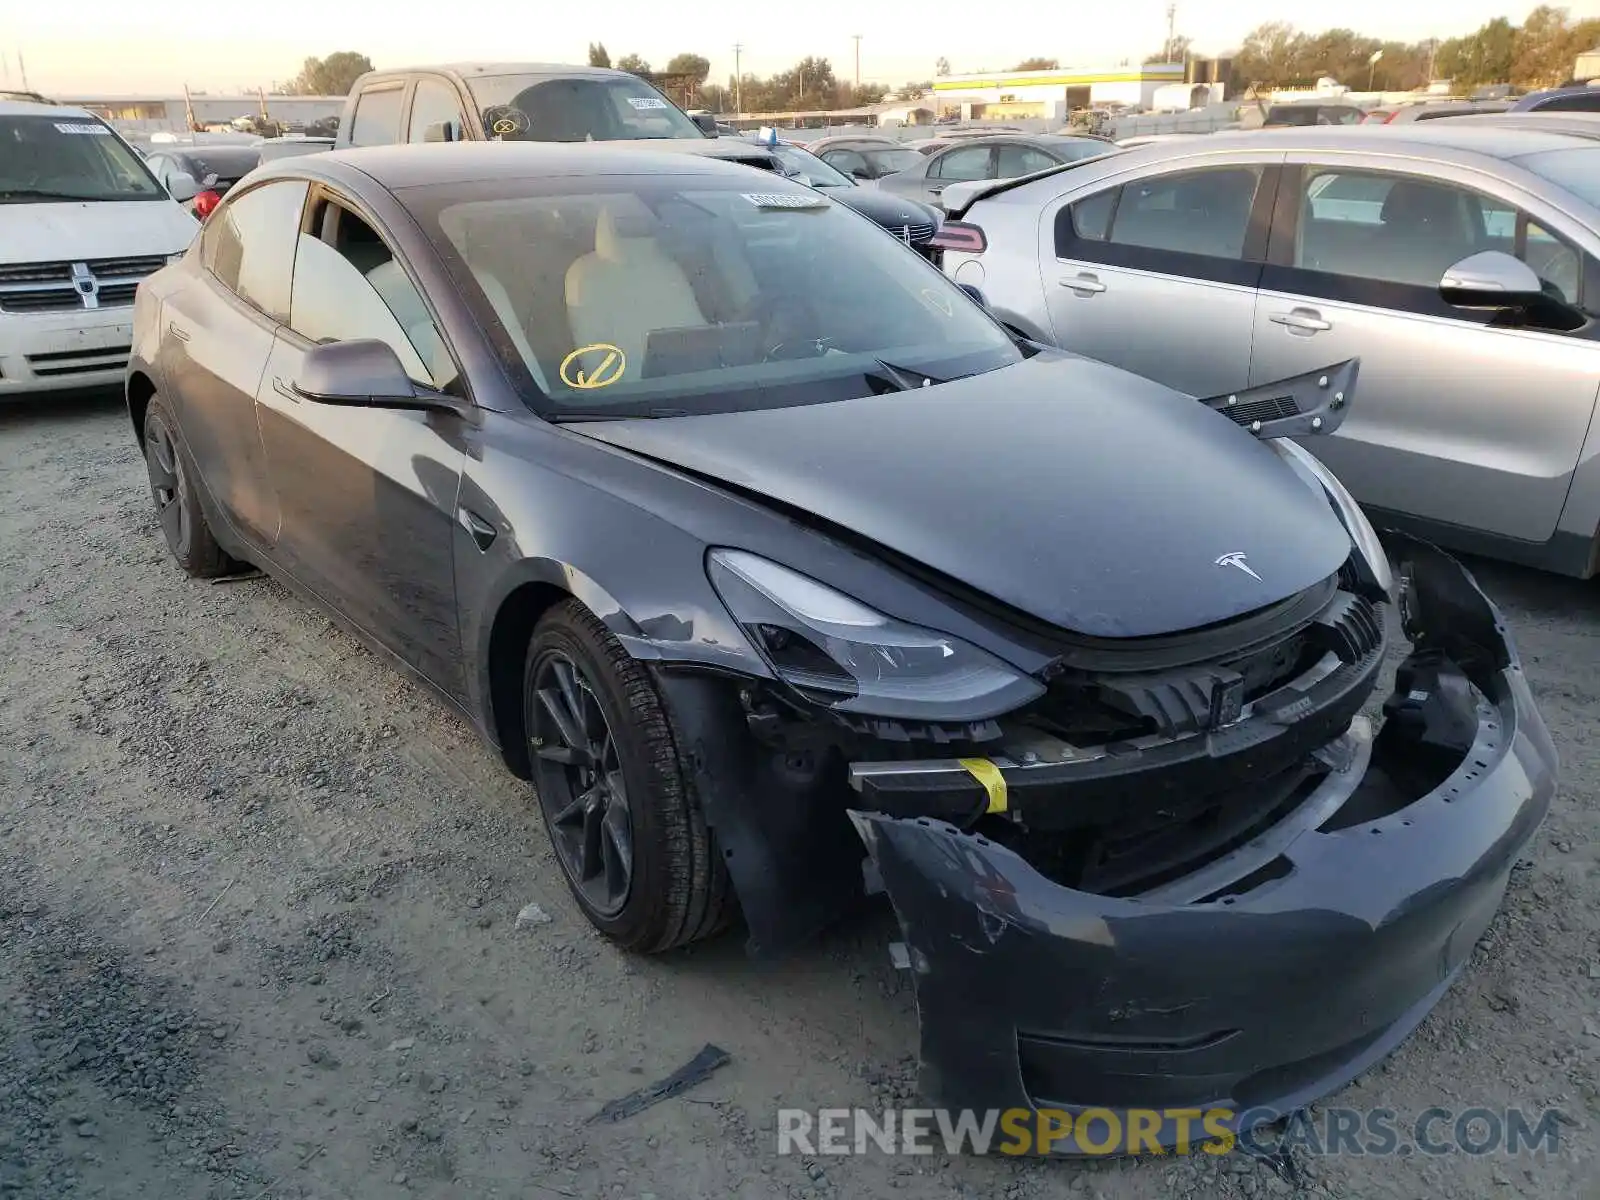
(258, 933)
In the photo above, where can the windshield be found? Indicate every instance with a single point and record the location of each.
(1578, 171)
(663, 295)
(809, 167)
(566, 108)
(52, 158)
(898, 159)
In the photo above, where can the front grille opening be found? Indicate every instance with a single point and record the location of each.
(1146, 847)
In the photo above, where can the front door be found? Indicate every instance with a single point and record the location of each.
(1157, 273)
(368, 495)
(221, 333)
(1454, 420)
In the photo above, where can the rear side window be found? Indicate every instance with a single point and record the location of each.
(1023, 160)
(1204, 213)
(249, 244)
(377, 118)
(967, 163)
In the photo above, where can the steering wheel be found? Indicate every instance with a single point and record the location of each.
(502, 120)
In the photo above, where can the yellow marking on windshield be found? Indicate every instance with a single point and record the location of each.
(608, 371)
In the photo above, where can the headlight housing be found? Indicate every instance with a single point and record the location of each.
(1369, 549)
(839, 652)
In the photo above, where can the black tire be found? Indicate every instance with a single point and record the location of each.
(177, 503)
(677, 890)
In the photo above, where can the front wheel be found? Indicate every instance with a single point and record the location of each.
(622, 817)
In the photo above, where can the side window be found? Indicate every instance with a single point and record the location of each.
(847, 161)
(1192, 212)
(1089, 220)
(377, 118)
(1023, 160)
(432, 103)
(1409, 230)
(353, 287)
(249, 244)
(966, 163)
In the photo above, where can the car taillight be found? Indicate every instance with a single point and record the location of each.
(205, 202)
(1391, 116)
(961, 236)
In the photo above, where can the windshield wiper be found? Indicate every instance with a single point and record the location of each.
(579, 416)
(43, 194)
(903, 378)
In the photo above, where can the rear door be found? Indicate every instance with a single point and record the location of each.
(1156, 271)
(218, 335)
(958, 164)
(1460, 419)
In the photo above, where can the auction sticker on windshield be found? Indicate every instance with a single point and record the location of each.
(82, 127)
(784, 200)
(646, 102)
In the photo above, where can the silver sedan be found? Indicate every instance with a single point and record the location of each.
(1459, 261)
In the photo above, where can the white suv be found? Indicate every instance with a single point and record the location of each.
(82, 221)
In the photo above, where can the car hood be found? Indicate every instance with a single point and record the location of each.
(1086, 497)
(727, 148)
(78, 230)
(891, 211)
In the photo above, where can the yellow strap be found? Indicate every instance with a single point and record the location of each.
(986, 773)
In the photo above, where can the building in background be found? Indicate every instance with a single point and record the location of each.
(1053, 94)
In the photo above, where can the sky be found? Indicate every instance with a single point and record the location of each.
(122, 46)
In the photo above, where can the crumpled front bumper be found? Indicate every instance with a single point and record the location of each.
(1267, 980)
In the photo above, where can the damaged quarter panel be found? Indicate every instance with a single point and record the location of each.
(1274, 975)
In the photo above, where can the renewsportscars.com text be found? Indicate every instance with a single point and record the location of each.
(1331, 1131)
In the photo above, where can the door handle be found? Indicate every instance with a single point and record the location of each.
(1084, 283)
(481, 531)
(1305, 320)
(176, 331)
(283, 389)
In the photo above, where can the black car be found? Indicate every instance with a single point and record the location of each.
(865, 158)
(785, 573)
(1004, 156)
(215, 169)
(911, 222)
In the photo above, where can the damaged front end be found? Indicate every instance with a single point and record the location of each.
(1240, 908)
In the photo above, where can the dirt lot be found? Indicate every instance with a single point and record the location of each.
(258, 904)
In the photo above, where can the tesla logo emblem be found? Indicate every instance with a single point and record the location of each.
(1236, 559)
(606, 363)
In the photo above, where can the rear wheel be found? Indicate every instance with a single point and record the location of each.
(621, 814)
(177, 503)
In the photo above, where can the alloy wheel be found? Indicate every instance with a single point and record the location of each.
(580, 784)
(167, 484)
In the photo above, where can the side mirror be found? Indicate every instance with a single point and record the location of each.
(182, 187)
(706, 123)
(1491, 279)
(439, 131)
(364, 373)
(976, 293)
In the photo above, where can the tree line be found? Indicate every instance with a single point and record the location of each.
(810, 84)
(1540, 52)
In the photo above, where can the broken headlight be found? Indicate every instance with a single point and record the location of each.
(839, 652)
(1368, 548)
